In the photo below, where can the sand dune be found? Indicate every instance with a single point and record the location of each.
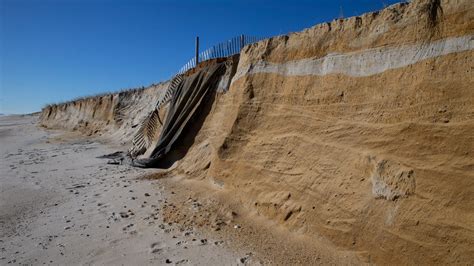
(347, 142)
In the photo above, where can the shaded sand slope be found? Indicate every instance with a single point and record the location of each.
(357, 131)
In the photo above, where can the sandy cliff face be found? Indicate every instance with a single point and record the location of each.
(359, 131)
(115, 116)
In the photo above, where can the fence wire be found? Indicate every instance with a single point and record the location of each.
(224, 49)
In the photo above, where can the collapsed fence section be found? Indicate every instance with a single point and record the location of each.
(224, 49)
(146, 133)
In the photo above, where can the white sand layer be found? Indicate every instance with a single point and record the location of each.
(362, 63)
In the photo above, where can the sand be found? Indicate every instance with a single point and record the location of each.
(60, 205)
(349, 142)
(362, 64)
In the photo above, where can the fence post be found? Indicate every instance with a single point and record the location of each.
(242, 38)
(197, 51)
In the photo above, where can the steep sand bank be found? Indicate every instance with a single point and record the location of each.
(356, 133)
(115, 116)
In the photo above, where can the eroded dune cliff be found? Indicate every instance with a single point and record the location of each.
(359, 131)
(115, 116)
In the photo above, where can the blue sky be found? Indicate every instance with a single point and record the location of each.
(56, 50)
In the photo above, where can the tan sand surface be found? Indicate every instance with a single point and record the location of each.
(60, 205)
(355, 134)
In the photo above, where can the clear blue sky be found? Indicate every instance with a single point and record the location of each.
(56, 50)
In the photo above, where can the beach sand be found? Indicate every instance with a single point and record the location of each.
(60, 204)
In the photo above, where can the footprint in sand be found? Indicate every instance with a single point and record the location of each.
(181, 261)
(218, 243)
(126, 214)
(157, 247)
(128, 228)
